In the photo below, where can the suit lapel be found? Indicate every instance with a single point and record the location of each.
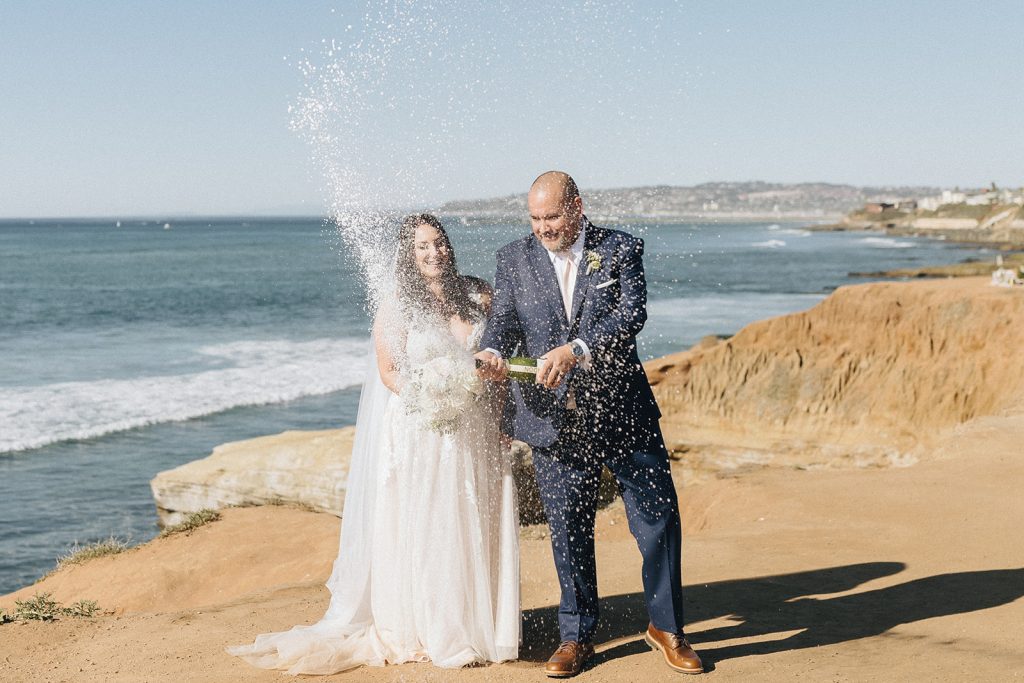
(547, 280)
(583, 278)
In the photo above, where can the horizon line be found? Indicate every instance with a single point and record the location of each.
(437, 207)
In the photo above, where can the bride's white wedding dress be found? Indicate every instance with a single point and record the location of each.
(428, 565)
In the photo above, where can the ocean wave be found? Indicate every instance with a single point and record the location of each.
(799, 232)
(262, 372)
(769, 244)
(885, 243)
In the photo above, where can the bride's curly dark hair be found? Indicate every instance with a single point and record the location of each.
(412, 286)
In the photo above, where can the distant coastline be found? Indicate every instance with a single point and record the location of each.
(984, 216)
(740, 202)
(752, 201)
(603, 217)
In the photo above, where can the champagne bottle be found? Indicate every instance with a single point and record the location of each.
(521, 368)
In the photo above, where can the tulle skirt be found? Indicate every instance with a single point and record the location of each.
(442, 581)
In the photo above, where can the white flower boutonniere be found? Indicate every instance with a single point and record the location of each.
(593, 261)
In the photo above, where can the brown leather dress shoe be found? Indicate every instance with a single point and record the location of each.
(568, 659)
(678, 653)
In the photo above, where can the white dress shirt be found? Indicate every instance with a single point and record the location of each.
(558, 259)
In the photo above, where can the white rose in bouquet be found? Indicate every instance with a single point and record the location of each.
(441, 391)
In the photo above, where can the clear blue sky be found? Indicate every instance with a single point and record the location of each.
(144, 107)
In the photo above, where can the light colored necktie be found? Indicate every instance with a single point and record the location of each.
(567, 286)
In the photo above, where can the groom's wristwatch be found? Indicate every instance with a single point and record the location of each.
(577, 350)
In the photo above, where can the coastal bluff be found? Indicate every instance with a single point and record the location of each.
(304, 469)
(309, 469)
(874, 375)
(820, 573)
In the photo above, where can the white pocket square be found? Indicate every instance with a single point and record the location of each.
(605, 284)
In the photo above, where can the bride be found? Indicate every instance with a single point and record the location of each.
(428, 564)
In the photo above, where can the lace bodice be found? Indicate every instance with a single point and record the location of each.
(426, 340)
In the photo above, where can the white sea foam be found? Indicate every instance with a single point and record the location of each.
(886, 243)
(261, 372)
(769, 244)
(799, 232)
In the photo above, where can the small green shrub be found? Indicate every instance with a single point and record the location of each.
(41, 607)
(192, 522)
(82, 608)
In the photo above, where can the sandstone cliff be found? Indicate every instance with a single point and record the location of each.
(304, 468)
(1001, 224)
(308, 469)
(871, 375)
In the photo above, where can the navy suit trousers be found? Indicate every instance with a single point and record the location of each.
(568, 474)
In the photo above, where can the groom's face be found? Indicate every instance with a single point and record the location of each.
(555, 222)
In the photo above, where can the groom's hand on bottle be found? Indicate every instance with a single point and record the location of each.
(557, 364)
(490, 367)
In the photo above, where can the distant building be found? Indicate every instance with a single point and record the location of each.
(1010, 197)
(982, 199)
(976, 198)
(878, 207)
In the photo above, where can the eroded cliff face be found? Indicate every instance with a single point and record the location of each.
(309, 469)
(874, 374)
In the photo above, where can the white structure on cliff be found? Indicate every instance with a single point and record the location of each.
(982, 198)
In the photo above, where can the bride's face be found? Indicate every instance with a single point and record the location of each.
(432, 255)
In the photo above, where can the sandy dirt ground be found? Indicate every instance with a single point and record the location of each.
(897, 574)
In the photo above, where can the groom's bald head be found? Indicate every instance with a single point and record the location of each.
(556, 182)
(555, 210)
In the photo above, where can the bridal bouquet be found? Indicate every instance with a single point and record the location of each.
(441, 391)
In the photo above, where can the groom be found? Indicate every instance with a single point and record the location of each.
(575, 294)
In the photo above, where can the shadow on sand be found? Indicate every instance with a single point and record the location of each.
(769, 605)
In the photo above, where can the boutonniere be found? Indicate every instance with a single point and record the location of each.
(593, 261)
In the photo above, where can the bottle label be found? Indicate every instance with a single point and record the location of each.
(523, 369)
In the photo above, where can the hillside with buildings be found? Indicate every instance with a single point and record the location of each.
(984, 215)
(754, 200)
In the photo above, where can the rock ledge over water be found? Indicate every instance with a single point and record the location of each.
(303, 468)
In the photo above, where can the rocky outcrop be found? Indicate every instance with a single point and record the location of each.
(1000, 224)
(968, 268)
(309, 469)
(870, 376)
(303, 468)
(944, 223)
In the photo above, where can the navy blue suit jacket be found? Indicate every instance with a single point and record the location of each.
(609, 309)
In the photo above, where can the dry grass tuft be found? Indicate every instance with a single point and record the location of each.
(192, 522)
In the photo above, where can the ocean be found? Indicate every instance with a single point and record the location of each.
(131, 347)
